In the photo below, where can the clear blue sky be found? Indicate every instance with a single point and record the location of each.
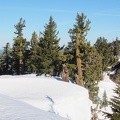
(103, 14)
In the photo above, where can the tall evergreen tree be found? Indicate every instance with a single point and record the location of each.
(115, 105)
(78, 34)
(49, 48)
(19, 48)
(91, 71)
(34, 54)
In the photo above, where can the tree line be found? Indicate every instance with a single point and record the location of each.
(85, 63)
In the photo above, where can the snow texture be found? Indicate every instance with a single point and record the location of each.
(31, 97)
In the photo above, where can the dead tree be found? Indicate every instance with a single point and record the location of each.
(65, 74)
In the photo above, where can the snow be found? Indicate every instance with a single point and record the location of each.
(108, 86)
(11, 109)
(31, 97)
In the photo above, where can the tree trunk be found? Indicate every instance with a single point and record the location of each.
(65, 74)
(79, 79)
(20, 67)
(21, 60)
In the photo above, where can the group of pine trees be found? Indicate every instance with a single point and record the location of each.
(43, 54)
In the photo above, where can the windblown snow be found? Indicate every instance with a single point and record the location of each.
(31, 97)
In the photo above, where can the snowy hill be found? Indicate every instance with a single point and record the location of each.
(11, 109)
(44, 97)
(31, 97)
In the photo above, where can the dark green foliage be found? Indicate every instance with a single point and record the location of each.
(115, 105)
(5, 60)
(104, 102)
(19, 27)
(90, 59)
(92, 71)
(70, 61)
(116, 76)
(115, 46)
(20, 47)
(34, 54)
(77, 35)
(49, 49)
(106, 52)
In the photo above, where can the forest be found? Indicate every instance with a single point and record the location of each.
(79, 60)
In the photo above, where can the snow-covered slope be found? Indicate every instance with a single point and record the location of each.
(49, 94)
(11, 109)
(108, 86)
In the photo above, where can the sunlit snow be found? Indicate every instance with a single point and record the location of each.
(50, 98)
(31, 97)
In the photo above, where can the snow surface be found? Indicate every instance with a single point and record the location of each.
(108, 86)
(11, 109)
(31, 97)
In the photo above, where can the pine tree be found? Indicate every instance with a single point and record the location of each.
(78, 34)
(104, 101)
(34, 54)
(19, 48)
(5, 60)
(115, 105)
(69, 55)
(105, 50)
(49, 49)
(91, 71)
(115, 45)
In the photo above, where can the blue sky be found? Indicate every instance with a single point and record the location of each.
(103, 14)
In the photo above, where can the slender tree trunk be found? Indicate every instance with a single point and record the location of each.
(21, 60)
(79, 79)
(20, 66)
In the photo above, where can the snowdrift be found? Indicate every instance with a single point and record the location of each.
(44, 93)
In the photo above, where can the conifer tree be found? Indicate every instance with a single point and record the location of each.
(34, 54)
(104, 100)
(49, 48)
(105, 50)
(92, 71)
(5, 60)
(69, 60)
(78, 34)
(19, 48)
(115, 105)
(115, 45)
